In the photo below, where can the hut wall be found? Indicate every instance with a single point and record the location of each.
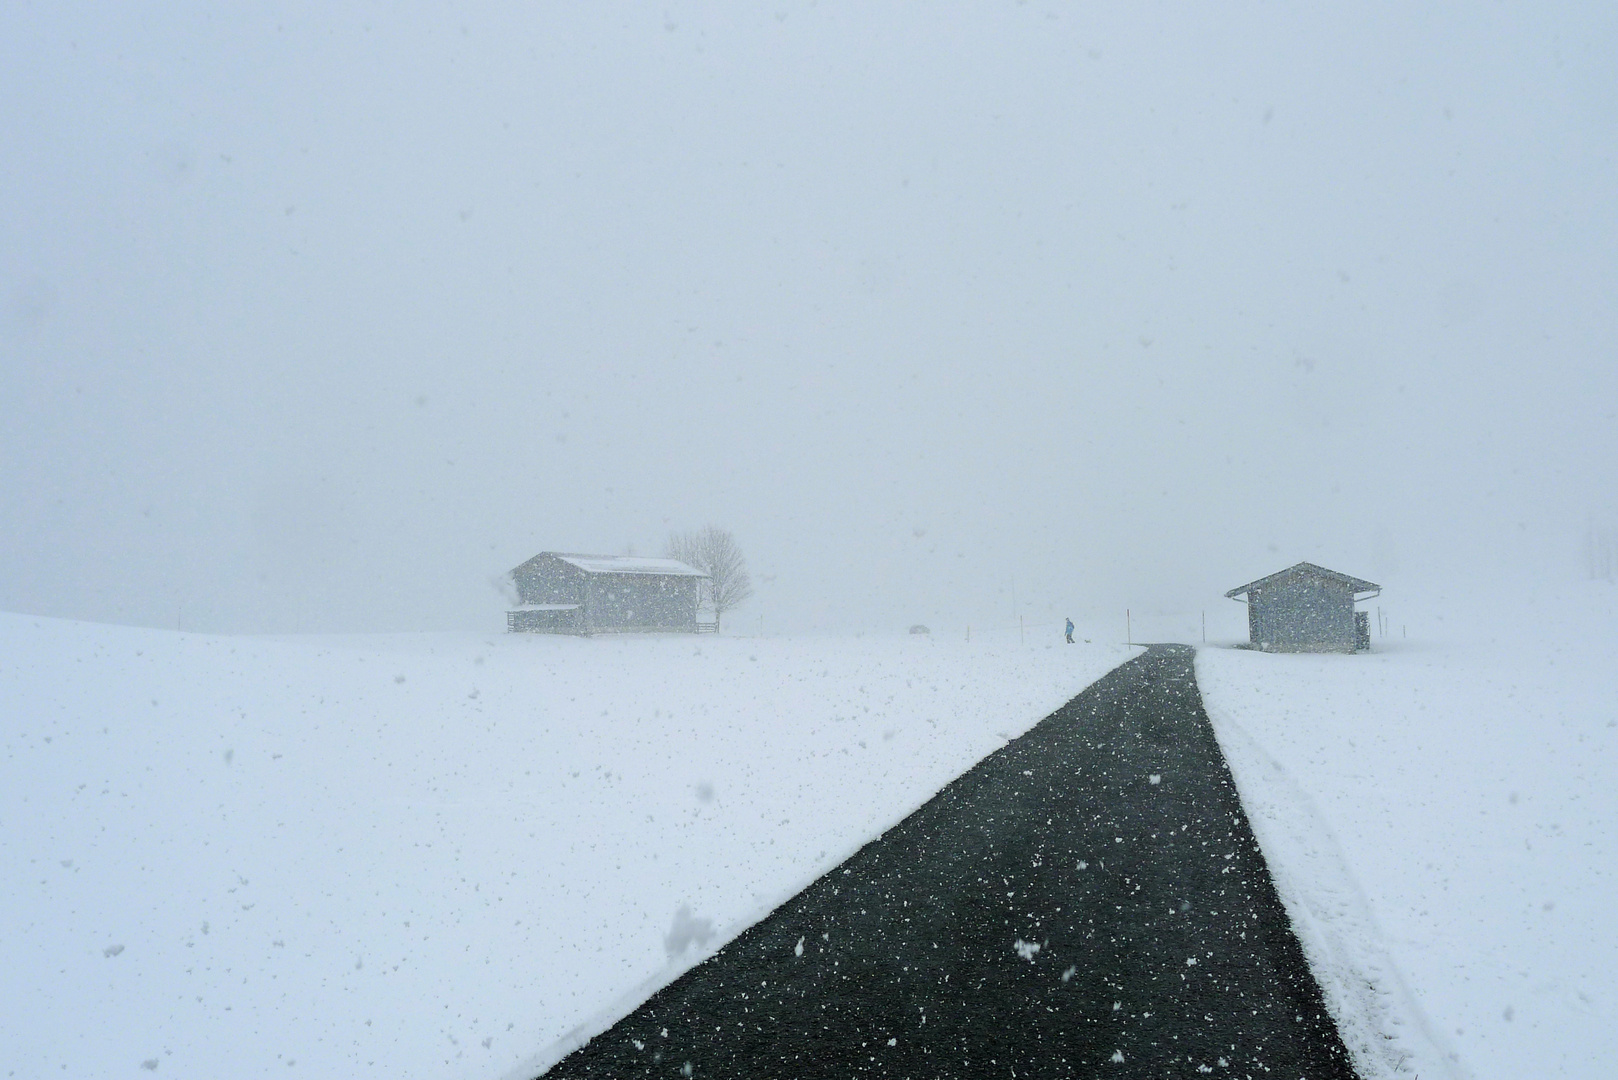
(1303, 615)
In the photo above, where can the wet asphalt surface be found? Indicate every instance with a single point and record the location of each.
(1086, 901)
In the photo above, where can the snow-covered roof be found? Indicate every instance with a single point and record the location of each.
(546, 607)
(631, 564)
(1306, 569)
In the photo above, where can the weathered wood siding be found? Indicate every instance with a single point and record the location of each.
(608, 603)
(618, 602)
(1303, 614)
(528, 621)
(545, 579)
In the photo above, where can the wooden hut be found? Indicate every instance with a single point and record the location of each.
(1307, 608)
(562, 593)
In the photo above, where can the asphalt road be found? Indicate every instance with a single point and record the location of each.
(1087, 901)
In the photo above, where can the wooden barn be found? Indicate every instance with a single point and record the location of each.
(1307, 608)
(561, 593)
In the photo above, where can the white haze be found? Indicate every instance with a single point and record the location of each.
(318, 316)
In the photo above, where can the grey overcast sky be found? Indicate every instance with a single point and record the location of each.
(318, 316)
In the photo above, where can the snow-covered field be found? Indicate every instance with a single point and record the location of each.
(457, 855)
(1441, 816)
(436, 855)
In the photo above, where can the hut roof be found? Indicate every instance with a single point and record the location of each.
(1310, 569)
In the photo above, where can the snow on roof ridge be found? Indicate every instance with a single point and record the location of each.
(1359, 584)
(628, 564)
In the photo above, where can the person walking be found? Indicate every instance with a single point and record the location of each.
(1070, 631)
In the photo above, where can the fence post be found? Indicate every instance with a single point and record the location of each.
(1129, 635)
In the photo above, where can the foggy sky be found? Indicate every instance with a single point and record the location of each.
(318, 316)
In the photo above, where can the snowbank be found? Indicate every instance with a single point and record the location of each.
(436, 855)
(1441, 817)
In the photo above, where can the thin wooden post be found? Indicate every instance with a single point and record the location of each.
(1205, 628)
(1129, 635)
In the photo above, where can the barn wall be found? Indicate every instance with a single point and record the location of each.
(641, 602)
(608, 602)
(545, 622)
(549, 581)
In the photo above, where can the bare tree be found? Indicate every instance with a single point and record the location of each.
(713, 551)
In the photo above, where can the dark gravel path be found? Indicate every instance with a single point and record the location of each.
(1087, 901)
